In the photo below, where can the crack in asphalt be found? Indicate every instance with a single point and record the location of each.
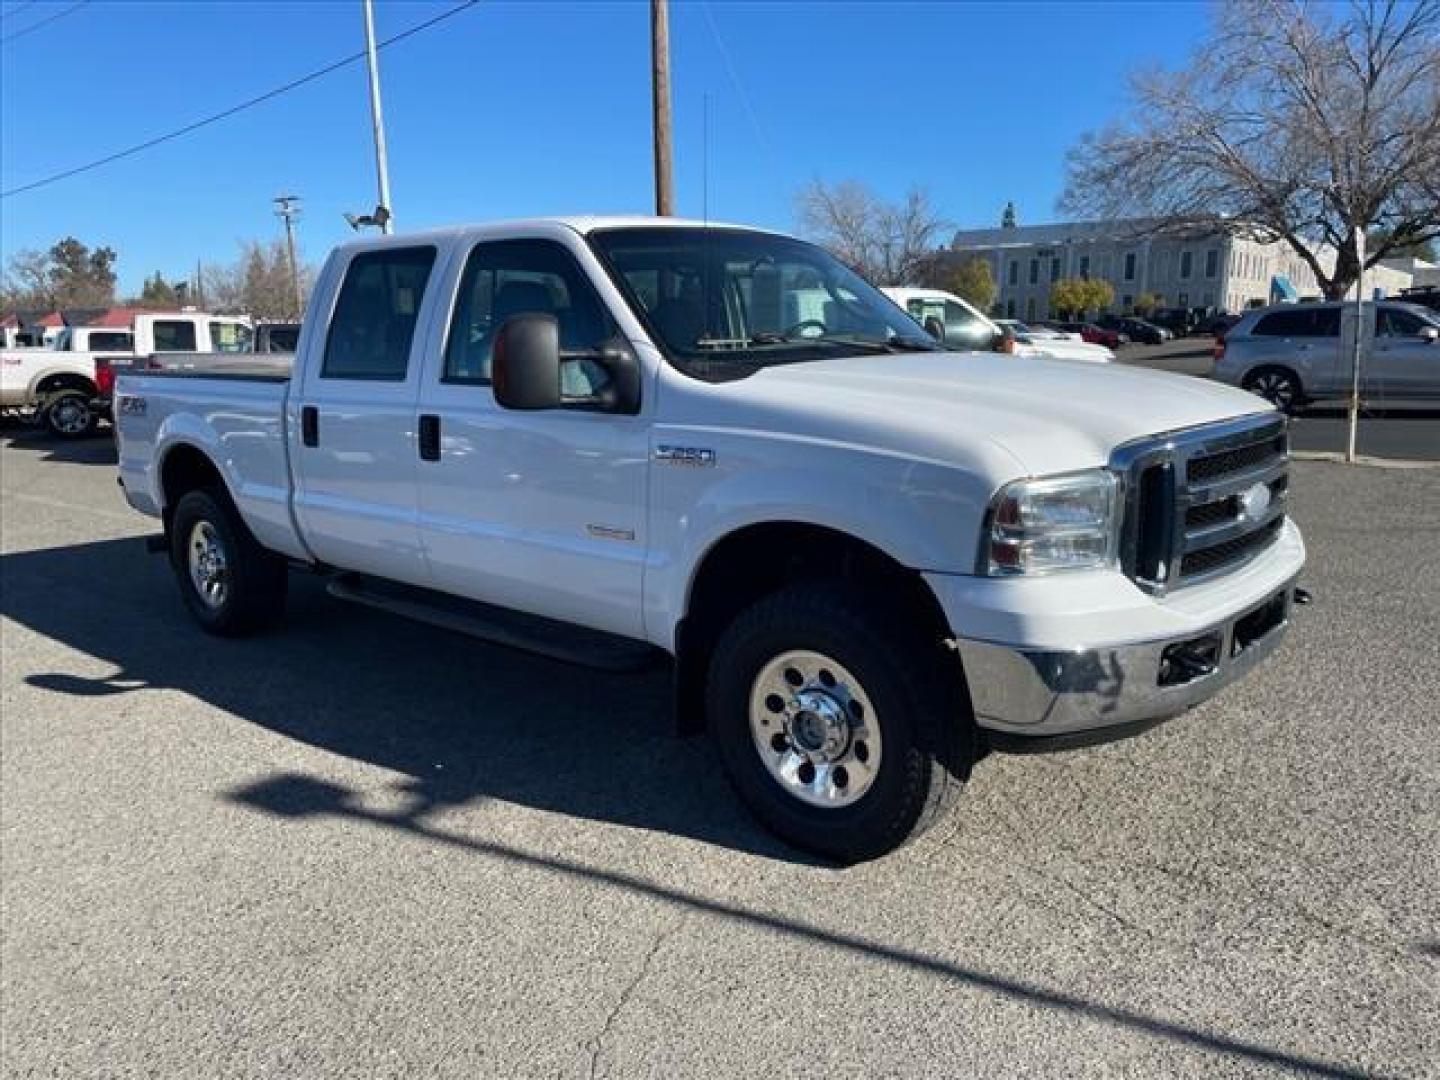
(596, 1046)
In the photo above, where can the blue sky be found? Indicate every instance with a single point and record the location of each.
(513, 109)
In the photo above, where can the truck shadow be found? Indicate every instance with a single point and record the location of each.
(97, 449)
(462, 720)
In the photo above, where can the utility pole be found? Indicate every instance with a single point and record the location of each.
(1359, 333)
(377, 119)
(287, 208)
(660, 80)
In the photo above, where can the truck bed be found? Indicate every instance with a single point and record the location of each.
(266, 367)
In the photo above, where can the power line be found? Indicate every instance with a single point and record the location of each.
(248, 104)
(17, 10)
(43, 22)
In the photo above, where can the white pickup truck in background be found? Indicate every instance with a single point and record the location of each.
(67, 386)
(870, 556)
(959, 323)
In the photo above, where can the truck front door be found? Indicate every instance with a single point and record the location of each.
(538, 511)
(352, 423)
(1404, 362)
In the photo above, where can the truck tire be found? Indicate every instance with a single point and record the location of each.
(231, 584)
(843, 729)
(68, 415)
(1278, 385)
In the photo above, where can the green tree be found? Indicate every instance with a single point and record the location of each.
(1076, 296)
(80, 276)
(1145, 303)
(157, 292)
(1099, 294)
(973, 281)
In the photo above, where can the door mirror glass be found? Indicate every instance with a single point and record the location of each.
(526, 362)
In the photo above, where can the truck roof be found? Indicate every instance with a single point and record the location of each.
(580, 223)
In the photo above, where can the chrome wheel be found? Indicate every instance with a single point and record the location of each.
(209, 568)
(70, 416)
(815, 729)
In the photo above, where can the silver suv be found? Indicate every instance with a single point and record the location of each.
(1293, 354)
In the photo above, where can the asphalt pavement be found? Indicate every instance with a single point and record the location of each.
(357, 847)
(1394, 431)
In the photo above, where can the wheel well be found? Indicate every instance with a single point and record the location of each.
(185, 469)
(65, 381)
(1260, 369)
(761, 559)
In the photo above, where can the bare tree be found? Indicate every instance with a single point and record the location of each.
(1297, 121)
(256, 284)
(888, 243)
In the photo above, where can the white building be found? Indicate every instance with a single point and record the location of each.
(1196, 268)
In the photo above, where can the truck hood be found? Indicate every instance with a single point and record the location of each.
(1048, 415)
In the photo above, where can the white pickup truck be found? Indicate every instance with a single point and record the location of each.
(870, 556)
(66, 386)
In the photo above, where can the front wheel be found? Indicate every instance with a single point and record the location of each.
(68, 415)
(836, 721)
(231, 584)
(1279, 386)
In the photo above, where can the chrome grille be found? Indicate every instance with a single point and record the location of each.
(1202, 501)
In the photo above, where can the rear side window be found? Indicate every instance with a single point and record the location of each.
(1301, 322)
(1397, 323)
(174, 335)
(105, 342)
(375, 315)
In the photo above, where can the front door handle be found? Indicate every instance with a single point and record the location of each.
(429, 437)
(310, 425)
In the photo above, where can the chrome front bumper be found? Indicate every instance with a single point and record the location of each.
(1088, 695)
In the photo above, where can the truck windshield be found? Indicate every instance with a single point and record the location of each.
(723, 302)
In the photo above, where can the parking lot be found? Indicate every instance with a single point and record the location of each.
(1404, 432)
(360, 847)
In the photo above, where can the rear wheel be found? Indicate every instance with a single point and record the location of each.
(68, 415)
(836, 721)
(231, 584)
(1279, 386)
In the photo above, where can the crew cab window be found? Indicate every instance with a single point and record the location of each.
(375, 315)
(505, 278)
(1301, 322)
(113, 341)
(174, 335)
(229, 337)
(1397, 323)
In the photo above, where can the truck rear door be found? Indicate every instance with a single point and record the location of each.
(352, 417)
(538, 511)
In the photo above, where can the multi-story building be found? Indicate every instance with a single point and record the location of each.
(1201, 267)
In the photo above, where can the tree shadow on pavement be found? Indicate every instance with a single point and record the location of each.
(463, 721)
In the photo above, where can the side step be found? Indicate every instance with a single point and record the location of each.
(497, 625)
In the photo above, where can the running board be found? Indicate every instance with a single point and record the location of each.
(499, 626)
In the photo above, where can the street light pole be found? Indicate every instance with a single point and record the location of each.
(660, 88)
(287, 208)
(377, 118)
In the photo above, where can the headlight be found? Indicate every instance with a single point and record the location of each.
(1059, 523)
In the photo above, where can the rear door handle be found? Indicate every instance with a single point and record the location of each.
(310, 425)
(429, 437)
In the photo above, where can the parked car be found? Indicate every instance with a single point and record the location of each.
(1095, 334)
(1135, 329)
(1055, 343)
(1295, 354)
(1219, 324)
(1056, 328)
(607, 439)
(59, 387)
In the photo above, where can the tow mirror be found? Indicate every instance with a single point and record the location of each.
(935, 328)
(525, 368)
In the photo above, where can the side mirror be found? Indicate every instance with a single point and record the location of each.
(935, 328)
(1430, 334)
(525, 367)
